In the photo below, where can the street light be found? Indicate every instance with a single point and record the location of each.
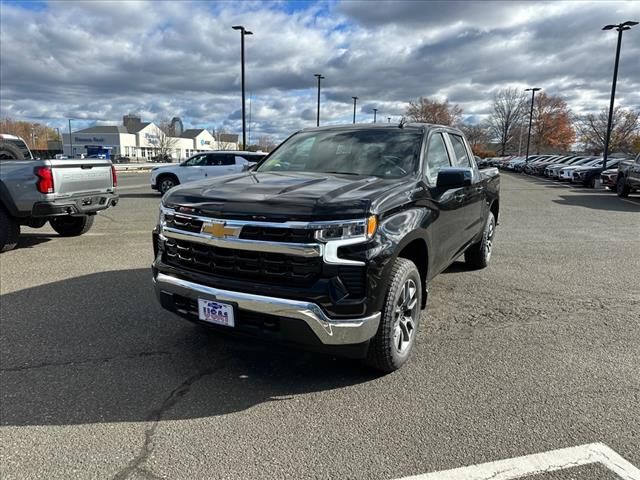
(319, 77)
(375, 113)
(621, 27)
(388, 119)
(354, 108)
(533, 94)
(243, 32)
(70, 141)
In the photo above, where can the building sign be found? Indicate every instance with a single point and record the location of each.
(205, 142)
(88, 139)
(151, 138)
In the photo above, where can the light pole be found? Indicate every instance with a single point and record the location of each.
(375, 114)
(70, 141)
(388, 119)
(621, 27)
(354, 108)
(243, 32)
(533, 94)
(319, 77)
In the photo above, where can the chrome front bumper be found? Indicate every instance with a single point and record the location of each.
(329, 331)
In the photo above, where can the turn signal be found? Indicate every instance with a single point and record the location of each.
(372, 225)
(45, 179)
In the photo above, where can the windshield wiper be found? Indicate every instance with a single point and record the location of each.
(344, 173)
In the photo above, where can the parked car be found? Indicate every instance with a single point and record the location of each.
(609, 178)
(121, 159)
(628, 179)
(588, 175)
(331, 241)
(67, 193)
(162, 158)
(553, 171)
(566, 173)
(201, 166)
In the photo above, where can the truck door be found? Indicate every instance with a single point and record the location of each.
(470, 216)
(441, 229)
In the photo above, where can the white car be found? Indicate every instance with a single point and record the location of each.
(201, 166)
(566, 173)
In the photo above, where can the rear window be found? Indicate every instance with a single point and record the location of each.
(4, 155)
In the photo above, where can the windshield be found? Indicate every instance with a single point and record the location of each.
(389, 153)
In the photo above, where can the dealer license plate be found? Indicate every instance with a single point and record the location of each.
(212, 311)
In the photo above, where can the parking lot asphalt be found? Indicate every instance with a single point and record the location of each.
(538, 352)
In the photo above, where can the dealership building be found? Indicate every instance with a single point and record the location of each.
(144, 140)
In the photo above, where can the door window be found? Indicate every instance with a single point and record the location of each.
(220, 159)
(198, 160)
(460, 151)
(437, 157)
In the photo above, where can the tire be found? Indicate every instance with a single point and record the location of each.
(167, 182)
(392, 345)
(9, 231)
(69, 226)
(621, 188)
(10, 152)
(478, 255)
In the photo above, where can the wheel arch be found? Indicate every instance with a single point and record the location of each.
(416, 250)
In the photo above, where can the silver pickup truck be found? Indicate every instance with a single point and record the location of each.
(66, 193)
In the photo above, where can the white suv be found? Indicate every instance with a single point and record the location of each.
(201, 166)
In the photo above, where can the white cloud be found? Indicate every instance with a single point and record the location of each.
(99, 60)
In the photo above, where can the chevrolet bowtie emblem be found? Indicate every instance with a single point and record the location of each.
(219, 230)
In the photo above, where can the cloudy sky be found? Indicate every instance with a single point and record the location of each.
(96, 61)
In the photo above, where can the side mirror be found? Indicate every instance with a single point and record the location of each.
(449, 178)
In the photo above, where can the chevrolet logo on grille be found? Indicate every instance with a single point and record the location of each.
(219, 230)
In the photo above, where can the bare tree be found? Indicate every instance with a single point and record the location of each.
(509, 110)
(592, 130)
(432, 111)
(165, 142)
(266, 143)
(477, 134)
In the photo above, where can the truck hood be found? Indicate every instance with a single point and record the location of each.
(282, 196)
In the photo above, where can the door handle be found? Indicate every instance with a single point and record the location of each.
(459, 197)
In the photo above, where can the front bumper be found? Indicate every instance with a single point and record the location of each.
(327, 330)
(82, 205)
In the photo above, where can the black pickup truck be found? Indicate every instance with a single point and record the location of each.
(331, 240)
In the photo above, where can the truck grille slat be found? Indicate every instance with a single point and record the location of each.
(242, 265)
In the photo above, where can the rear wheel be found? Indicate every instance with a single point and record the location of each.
(621, 188)
(72, 226)
(478, 255)
(166, 183)
(391, 347)
(9, 231)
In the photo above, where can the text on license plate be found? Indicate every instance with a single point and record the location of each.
(215, 312)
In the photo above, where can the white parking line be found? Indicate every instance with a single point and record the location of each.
(637, 204)
(538, 463)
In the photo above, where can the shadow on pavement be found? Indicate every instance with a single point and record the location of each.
(155, 195)
(28, 240)
(597, 202)
(98, 348)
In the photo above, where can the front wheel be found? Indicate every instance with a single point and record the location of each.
(166, 183)
(390, 348)
(478, 255)
(621, 188)
(68, 226)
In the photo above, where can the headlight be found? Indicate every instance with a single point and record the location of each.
(351, 229)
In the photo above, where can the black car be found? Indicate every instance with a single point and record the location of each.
(587, 176)
(331, 240)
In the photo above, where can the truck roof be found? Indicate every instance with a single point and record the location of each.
(381, 126)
